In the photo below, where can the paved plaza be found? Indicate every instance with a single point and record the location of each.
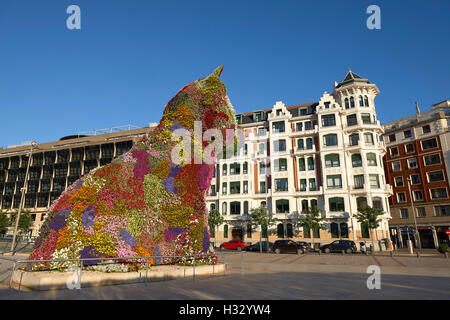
(285, 276)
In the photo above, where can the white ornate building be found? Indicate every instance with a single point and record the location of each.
(327, 153)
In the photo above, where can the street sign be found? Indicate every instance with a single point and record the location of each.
(447, 232)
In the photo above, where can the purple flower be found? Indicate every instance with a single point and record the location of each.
(175, 126)
(128, 238)
(205, 241)
(59, 220)
(78, 184)
(171, 233)
(87, 219)
(90, 252)
(169, 186)
(174, 170)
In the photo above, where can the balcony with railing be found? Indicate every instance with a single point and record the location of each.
(388, 189)
(306, 131)
(309, 190)
(303, 151)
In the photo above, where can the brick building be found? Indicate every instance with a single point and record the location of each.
(418, 149)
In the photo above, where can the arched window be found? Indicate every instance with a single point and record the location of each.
(313, 203)
(336, 204)
(306, 232)
(224, 208)
(245, 149)
(245, 207)
(249, 231)
(371, 159)
(290, 234)
(354, 139)
(212, 207)
(332, 160)
(225, 231)
(356, 160)
(334, 229)
(344, 230)
(224, 169)
(280, 230)
(304, 205)
(264, 232)
(361, 202)
(346, 103)
(366, 101)
(361, 103)
(352, 102)
(263, 204)
(377, 203)
(364, 230)
(316, 233)
(245, 168)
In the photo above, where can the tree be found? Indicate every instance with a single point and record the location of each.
(369, 217)
(25, 221)
(312, 219)
(215, 219)
(264, 219)
(4, 222)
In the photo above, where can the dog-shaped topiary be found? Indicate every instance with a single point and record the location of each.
(144, 203)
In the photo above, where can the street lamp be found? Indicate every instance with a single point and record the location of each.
(414, 215)
(34, 146)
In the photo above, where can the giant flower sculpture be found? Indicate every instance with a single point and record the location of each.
(144, 203)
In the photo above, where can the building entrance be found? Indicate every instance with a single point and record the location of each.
(237, 234)
(426, 238)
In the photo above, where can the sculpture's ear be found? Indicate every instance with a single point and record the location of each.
(218, 71)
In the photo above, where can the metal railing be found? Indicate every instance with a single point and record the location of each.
(79, 262)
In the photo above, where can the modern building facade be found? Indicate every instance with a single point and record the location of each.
(54, 166)
(326, 154)
(418, 150)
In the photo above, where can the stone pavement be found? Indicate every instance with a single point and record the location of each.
(285, 276)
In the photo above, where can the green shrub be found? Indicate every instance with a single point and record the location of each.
(443, 247)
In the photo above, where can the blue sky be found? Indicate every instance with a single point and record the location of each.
(130, 57)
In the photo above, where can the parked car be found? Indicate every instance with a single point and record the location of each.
(305, 245)
(233, 245)
(338, 246)
(287, 246)
(255, 247)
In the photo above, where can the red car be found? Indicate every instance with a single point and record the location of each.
(233, 245)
